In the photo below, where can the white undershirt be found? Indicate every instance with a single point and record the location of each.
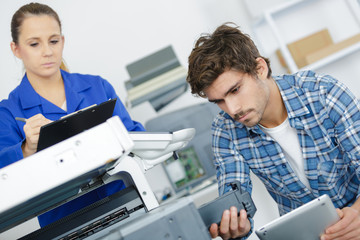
(64, 107)
(287, 138)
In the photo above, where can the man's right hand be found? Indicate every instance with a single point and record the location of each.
(32, 132)
(231, 225)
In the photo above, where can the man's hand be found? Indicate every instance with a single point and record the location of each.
(348, 227)
(32, 132)
(231, 225)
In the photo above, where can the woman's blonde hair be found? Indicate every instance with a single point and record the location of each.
(63, 66)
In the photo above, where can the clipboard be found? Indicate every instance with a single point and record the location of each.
(75, 123)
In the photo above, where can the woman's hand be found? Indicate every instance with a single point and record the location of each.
(32, 131)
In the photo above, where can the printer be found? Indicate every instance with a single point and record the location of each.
(102, 154)
(79, 164)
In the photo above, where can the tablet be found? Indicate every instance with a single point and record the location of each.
(75, 123)
(306, 222)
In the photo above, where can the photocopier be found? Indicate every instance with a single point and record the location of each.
(89, 160)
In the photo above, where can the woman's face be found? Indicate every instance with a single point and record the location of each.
(40, 46)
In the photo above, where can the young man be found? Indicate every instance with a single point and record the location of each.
(300, 133)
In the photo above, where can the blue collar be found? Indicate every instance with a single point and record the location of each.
(29, 98)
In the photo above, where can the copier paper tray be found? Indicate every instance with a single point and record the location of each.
(95, 220)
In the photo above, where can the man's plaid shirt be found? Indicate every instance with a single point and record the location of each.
(326, 116)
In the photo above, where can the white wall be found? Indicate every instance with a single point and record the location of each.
(102, 37)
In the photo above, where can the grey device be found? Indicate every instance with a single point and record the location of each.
(212, 212)
(174, 220)
(307, 222)
(200, 117)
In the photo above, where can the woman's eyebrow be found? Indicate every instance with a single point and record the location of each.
(37, 38)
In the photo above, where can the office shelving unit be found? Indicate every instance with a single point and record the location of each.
(291, 7)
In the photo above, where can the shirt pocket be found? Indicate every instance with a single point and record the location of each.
(332, 166)
(271, 179)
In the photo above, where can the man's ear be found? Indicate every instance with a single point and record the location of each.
(15, 49)
(262, 68)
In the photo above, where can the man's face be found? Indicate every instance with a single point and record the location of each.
(240, 95)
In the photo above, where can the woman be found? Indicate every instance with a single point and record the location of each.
(46, 93)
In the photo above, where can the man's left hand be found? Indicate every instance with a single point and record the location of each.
(348, 227)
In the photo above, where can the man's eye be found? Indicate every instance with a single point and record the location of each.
(54, 41)
(235, 90)
(33, 44)
(217, 101)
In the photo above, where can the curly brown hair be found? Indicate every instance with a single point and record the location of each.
(227, 48)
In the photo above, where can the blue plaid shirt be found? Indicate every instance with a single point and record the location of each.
(326, 116)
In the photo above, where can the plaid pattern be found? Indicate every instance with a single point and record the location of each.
(326, 116)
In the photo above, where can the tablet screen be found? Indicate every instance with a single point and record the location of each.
(306, 222)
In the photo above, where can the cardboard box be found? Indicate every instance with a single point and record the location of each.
(301, 48)
(324, 52)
